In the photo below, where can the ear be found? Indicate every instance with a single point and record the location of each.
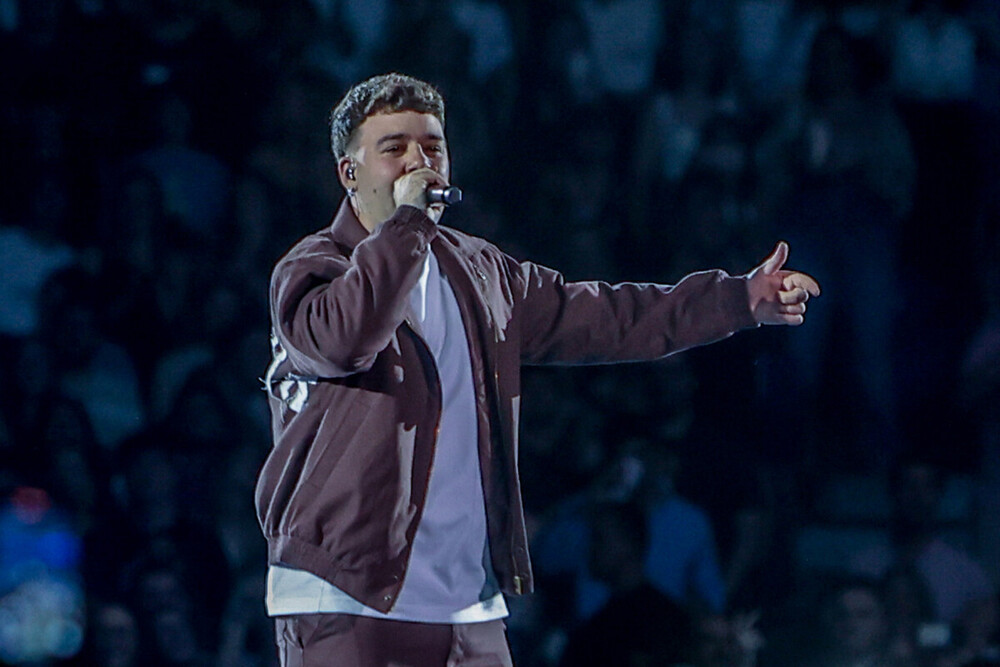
(345, 168)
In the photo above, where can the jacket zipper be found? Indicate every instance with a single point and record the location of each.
(518, 580)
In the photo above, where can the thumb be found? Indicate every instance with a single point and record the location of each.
(776, 260)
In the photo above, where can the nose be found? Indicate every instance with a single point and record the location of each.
(417, 158)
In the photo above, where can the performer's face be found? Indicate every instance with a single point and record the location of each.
(387, 146)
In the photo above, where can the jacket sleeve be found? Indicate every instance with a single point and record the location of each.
(333, 313)
(599, 322)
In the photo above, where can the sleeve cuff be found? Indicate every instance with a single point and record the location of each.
(411, 220)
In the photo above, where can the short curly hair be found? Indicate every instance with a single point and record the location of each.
(380, 94)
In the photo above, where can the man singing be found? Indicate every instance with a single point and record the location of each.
(391, 502)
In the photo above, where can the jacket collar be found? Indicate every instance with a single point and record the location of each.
(346, 228)
(348, 231)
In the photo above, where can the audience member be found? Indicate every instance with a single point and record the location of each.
(624, 38)
(724, 641)
(112, 638)
(773, 38)
(489, 28)
(66, 451)
(638, 624)
(934, 54)
(30, 253)
(133, 234)
(33, 362)
(912, 630)
(294, 172)
(196, 185)
(852, 629)
(681, 560)
(346, 35)
(955, 582)
(855, 172)
(155, 524)
(177, 626)
(699, 84)
(976, 640)
(91, 367)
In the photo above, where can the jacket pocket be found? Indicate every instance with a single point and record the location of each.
(335, 434)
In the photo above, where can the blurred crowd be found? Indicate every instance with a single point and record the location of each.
(160, 155)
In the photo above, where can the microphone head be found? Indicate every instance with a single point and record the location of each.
(447, 196)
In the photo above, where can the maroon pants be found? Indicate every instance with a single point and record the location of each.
(345, 640)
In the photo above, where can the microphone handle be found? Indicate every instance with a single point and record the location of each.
(447, 196)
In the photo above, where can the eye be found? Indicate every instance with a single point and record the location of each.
(435, 148)
(393, 148)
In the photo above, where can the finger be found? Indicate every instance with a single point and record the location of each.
(797, 295)
(792, 309)
(426, 175)
(777, 259)
(431, 176)
(802, 280)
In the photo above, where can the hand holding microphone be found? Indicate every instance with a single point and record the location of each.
(425, 189)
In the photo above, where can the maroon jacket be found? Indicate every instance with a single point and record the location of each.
(355, 398)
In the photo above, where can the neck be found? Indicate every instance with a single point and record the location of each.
(360, 215)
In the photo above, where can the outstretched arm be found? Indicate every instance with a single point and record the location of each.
(777, 295)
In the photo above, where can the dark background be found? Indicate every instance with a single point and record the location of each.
(158, 157)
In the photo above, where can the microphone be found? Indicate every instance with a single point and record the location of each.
(447, 196)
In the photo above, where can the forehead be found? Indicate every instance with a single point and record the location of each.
(408, 123)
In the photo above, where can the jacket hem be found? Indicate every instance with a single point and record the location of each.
(292, 552)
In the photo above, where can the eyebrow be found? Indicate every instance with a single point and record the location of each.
(402, 135)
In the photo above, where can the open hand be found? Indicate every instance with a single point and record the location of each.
(778, 296)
